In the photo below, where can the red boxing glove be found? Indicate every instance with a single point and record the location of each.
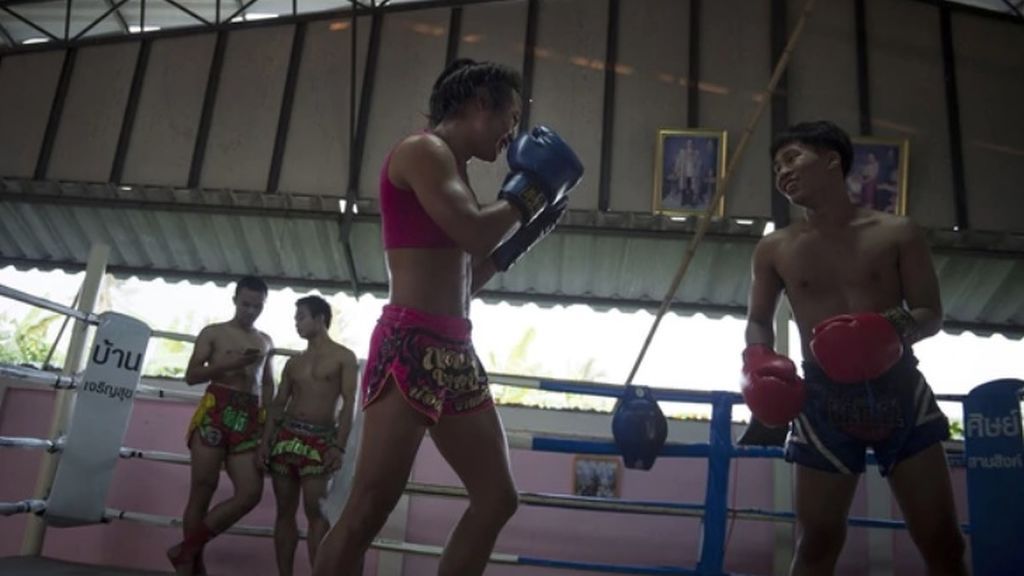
(771, 388)
(856, 347)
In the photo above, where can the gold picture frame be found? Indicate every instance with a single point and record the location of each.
(597, 476)
(688, 167)
(878, 174)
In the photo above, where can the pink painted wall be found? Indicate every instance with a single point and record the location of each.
(138, 486)
(618, 538)
(159, 488)
(905, 557)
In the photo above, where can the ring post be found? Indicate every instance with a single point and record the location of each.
(96, 267)
(712, 547)
(102, 409)
(994, 451)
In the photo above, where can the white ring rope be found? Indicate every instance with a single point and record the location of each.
(576, 503)
(22, 507)
(154, 455)
(177, 336)
(64, 382)
(167, 393)
(38, 377)
(44, 379)
(267, 532)
(150, 387)
(29, 443)
(125, 452)
(417, 488)
(527, 435)
(27, 298)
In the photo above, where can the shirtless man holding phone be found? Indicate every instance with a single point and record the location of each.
(234, 358)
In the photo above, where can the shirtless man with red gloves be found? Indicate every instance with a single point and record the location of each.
(863, 290)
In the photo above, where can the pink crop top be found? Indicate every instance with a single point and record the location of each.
(404, 222)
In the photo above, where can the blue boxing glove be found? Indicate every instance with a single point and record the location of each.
(511, 250)
(543, 170)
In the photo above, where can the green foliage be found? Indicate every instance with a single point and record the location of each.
(168, 358)
(28, 340)
(956, 429)
(518, 361)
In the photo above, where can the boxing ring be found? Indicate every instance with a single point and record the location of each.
(993, 457)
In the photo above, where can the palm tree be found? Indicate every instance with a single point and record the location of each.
(520, 362)
(26, 340)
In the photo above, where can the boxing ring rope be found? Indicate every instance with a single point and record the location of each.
(60, 381)
(22, 507)
(391, 545)
(576, 444)
(539, 499)
(719, 450)
(642, 507)
(91, 318)
(25, 297)
(528, 441)
(27, 443)
(44, 379)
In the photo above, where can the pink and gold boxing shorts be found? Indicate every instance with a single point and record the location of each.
(431, 360)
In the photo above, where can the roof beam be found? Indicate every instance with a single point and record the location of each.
(29, 23)
(206, 118)
(284, 117)
(6, 36)
(529, 46)
(241, 10)
(611, 58)
(121, 22)
(956, 152)
(112, 8)
(190, 12)
(1014, 9)
(779, 116)
(130, 109)
(200, 275)
(575, 223)
(454, 33)
(167, 206)
(693, 66)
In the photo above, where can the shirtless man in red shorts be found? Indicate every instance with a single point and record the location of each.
(234, 357)
(306, 442)
(863, 290)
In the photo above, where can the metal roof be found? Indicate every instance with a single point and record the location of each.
(614, 259)
(604, 260)
(34, 21)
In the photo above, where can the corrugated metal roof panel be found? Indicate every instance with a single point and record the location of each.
(623, 260)
(173, 243)
(604, 267)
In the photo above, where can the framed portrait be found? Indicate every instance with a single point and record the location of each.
(688, 166)
(597, 476)
(878, 175)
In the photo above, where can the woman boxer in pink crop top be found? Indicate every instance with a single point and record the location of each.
(422, 371)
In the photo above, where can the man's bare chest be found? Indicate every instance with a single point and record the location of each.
(231, 342)
(853, 263)
(316, 368)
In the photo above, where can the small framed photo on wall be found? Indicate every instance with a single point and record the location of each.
(597, 476)
(689, 165)
(878, 174)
